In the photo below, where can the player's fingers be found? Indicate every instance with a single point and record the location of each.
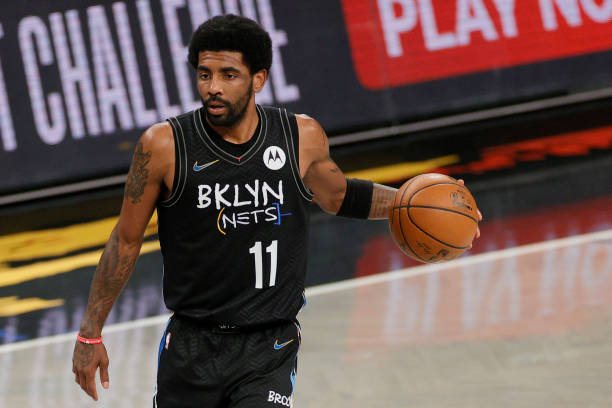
(104, 380)
(460, 181)
(82, 381)
(91, 387)
(477, 232)
(479, 215)
(88, 383)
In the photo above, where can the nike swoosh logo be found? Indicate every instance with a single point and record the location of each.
(280, 346)
(202, 167)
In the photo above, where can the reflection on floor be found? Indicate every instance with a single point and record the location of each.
(47, 295)
(522, 327)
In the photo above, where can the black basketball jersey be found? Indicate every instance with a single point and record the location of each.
(233, 233)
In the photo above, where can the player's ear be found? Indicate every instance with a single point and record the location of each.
(259, 80)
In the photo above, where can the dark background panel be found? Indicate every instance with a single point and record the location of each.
(317, 58)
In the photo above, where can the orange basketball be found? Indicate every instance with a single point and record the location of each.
(434, 218)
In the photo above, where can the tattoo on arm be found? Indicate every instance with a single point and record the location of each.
(83, 355)
(382, 197)
(109, 279)
(334, 168)
(138, 175)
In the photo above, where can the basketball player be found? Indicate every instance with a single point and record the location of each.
(232, 183)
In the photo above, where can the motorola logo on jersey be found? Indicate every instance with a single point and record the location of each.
(274, 158)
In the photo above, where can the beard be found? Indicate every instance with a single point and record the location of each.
(234, 112)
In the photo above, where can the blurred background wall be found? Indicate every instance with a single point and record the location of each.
(81, 79)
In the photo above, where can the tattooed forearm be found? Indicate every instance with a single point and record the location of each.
(138, 175)
(333, 166)
(112, 273)
(382, 197)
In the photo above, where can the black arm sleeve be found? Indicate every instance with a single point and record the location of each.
(357, 200)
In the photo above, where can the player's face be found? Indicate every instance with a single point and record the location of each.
(225, 85)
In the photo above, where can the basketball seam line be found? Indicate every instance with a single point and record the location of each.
(436, 184)
(436, 208)
(431, 236)
(402, 231)
(418, 226)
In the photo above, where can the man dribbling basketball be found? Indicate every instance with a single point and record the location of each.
(231, 182)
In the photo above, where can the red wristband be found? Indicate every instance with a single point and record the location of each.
(89, 341)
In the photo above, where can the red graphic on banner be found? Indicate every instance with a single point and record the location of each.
(510, 155)
(398, 42)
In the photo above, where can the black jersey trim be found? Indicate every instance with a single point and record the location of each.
(222, 154)
(295, 166)
(180, 158)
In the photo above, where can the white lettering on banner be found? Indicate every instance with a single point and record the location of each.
(107, 68)
(215, 8)
(472, 15)
(568, 8)
(51, 130)
(283, 92)
(399, 17)
(179, 52)
(265, 95)
(433, 39)
(9, 143)
(107, 92)
(156, 72)
(394, 26)
(231, 6)
(598, 13)
(142, 116)
(508, 19)
(75, 74)
(197, 12)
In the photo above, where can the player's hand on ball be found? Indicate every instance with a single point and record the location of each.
(85, 362)
(460, 181)
(434, 218)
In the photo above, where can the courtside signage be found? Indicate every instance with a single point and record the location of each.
(399, 42)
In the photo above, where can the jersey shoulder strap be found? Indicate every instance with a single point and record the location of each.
(292, 139)
(180, 126)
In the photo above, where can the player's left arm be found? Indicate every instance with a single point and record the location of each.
(327, 182)
(329, 185)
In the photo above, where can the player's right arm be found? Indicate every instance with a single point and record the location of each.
(151, 174)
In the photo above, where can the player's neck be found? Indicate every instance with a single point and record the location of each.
(242, 131)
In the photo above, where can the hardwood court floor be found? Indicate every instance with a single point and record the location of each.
(522, 327)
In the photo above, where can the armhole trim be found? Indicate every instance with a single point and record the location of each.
(295, 166)
(180, 166)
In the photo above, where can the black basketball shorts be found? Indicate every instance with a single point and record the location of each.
(205, 367)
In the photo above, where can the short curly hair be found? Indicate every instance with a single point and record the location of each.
(233, 33)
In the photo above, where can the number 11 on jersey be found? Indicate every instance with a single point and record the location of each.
(272, 249)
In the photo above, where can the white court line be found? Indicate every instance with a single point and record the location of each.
(347, 284)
